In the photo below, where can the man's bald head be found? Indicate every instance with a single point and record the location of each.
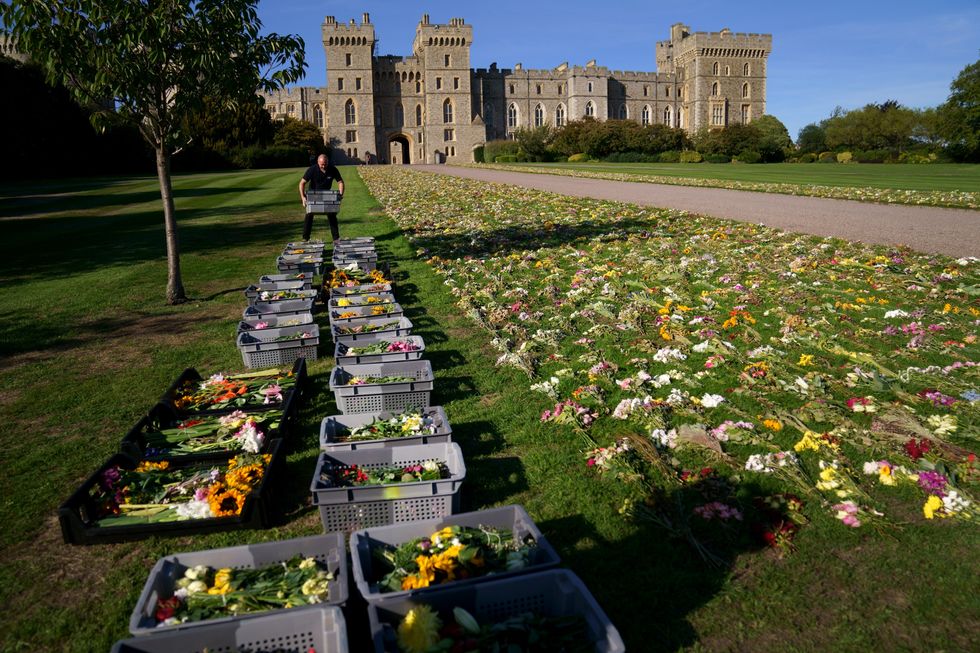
(322, 160)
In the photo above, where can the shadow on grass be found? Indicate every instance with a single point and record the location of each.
(37, 206)
(452, 388)
(500, 479)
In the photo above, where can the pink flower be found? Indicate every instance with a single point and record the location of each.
(262, 325)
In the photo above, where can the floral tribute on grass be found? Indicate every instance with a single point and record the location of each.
(352, 276)
(223, 391)
(951, 198)
(668, 343)
(455, 552)
(206, 593)
(237, 431)
(158, 492)
(357, 476)
(409, 423)
(423, 631)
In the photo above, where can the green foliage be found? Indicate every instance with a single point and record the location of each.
(872, 156)
(534, 142)
(493, 149)
(579, 158)
(731, 140)
(691, 156)
(277, 156)
(601, 139)
(299, 134)
(808, 157)
(632, 157)
(958, 120)
(875, 126)
(844, 157)
(219, 127)
(505, 158)
(717, 158)
(812, 139)
(827, 157)
(749, 156)
(478, 154)
(671, 156)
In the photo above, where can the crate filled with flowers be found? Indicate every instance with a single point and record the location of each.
(305, 277)
(200, 588)
(275, 321)
(381, 350)
(125, 499)
(370, 487)
(545, 611)
(377, 387)
(364, 260)
(354, 276)
(358, 314)
(377, 430)
(394, 561)
(362, 289)
(360, 300)
(278, 346)
(269, 389)
(371, 329)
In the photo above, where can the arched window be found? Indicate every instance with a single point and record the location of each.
(418, 115)
(728, 71)
(511, 91)
(667, 116)
(715, 68)
(538, 115)
(350, 113)
(746, 70)
(560, 116)
(447, 111)
(590, 109)
(290, 108)
(512, 116)
(714, 88)
(418, 87)
(488, 114)
(623, 112)
(646, 91)
(745, 90)
(645, 116)
(318, 116)
(377, 115)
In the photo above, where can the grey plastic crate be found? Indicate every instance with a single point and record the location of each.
(252, 291)
(287, 263)
(359, 241)
(322, 201)
(552, 593)
(260, 348)
(402, 327)
(378, 397)
(365, 261)
(303, 295)
(363, 313)
(367, 288)
(308, 245)
(322, 629)
(343, 355)
(162, 581)
(333, 428)
(305, 277)
(513, 518)
(263, 310)
(361, 300)
(275, 322)
(350, 508)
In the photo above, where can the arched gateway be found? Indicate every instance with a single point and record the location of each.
(399, 149)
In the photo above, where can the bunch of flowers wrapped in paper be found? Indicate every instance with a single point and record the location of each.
(455, 552)
(224, 391)
(357, 476)
(236, 431)
(424, 631)
(406, 424)
(164, 491)
(207, 593)
(352, 276)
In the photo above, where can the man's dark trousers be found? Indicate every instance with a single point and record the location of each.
(334, 226)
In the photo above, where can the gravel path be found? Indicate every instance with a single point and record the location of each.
(954, 232)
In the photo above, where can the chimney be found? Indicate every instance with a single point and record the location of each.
(425, 19)
(366, 18)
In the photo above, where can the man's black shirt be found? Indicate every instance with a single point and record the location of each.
(317, 179)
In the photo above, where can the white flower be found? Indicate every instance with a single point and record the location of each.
(194, 509)
(896, 313)
(871, 468)
(250, 438)
(943, 424)
(676, 397)
(664, 439)
(430, 465)
(803, 385)
(661, 380)
(198, 572)
(756, 463)
(667, 354)
(701, 347)
(711, 401)
(953, 502)
(197, 587)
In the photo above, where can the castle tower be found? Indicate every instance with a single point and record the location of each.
(350, 87)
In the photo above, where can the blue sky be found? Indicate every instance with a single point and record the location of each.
(824, 54)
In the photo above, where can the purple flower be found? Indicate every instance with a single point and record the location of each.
(933, 483)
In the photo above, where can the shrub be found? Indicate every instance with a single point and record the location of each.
(560, 159)
(691, 156)
(917, 157)
(493, 149)
(478, 154)
(844, 157)
(670, 156)
(749, 156)
(809, 157)
(505, 158)
(718, 158)
(828, 157)
(871, 156)
(578, 158)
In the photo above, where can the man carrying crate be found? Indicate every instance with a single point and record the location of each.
(320, 176)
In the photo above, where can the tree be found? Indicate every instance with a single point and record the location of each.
(774, 138)
(534, 141)
(152, 64)
(218, 127)
(812, 139)
(959, 117)
(299, 133)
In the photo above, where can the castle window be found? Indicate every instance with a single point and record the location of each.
(318, 116)
(398, 87)
(447, 61)
(561, 89)
(377, 115)
(348, 58)
(438, 83)
(667, 116)
(728, 71)
(538, 115)
(745, 90)
(718, 114)
(357, 83)
(746, 114)
(340, 83)
(447, 111)
(511, 89)
(488, 114)
(448, 135)
(421, 137)
(746, 70)
(290, 108)
(714, 88)
(539, 89)
(646, 91)
(418, 87)
(418, 115)
(715, 68)
(351, 135)
(512, 116)
(452, 151)
(623, 112)
(590, 109)
(645, 116)
(350, 113)
(560, 116)
(590, 87)
(455, 83)
(399, 115)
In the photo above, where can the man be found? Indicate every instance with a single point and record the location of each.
(320, 176)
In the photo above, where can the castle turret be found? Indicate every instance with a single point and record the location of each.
(350, 88)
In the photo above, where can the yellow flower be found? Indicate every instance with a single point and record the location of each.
(773, 424)
(419, 630)
(805, 359)
(807, 442)
(343, 302)
(664, 333)
(885, 476)
(933, 503)
(222, 581)
(828, 474)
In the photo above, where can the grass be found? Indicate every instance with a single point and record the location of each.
(931, 177)
(88, 345)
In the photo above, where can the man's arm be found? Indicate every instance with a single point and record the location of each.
(340, 186)
(302, 190)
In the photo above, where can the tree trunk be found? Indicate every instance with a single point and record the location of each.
(175, 287)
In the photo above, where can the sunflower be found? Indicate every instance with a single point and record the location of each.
(244, 478)
(149, 466)
(225, 501)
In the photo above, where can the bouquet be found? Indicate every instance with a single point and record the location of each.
(356, 476)
(221, 391)
(237, 431)
(406, 424)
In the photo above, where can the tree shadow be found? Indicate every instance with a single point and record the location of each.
(479, 437)
(500, 479)
(452, 388)
(445, 359)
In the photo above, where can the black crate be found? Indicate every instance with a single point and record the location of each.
(76, 515)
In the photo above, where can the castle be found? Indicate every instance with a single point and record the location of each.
(432, 107)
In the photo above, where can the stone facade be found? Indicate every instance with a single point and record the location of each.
(433, 107)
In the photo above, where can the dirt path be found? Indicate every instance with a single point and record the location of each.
(954, 232)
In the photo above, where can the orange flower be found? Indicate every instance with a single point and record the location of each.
(225, 502)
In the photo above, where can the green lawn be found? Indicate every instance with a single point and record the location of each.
(88, 345)
(932, 177)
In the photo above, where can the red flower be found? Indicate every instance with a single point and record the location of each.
(166, 608)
